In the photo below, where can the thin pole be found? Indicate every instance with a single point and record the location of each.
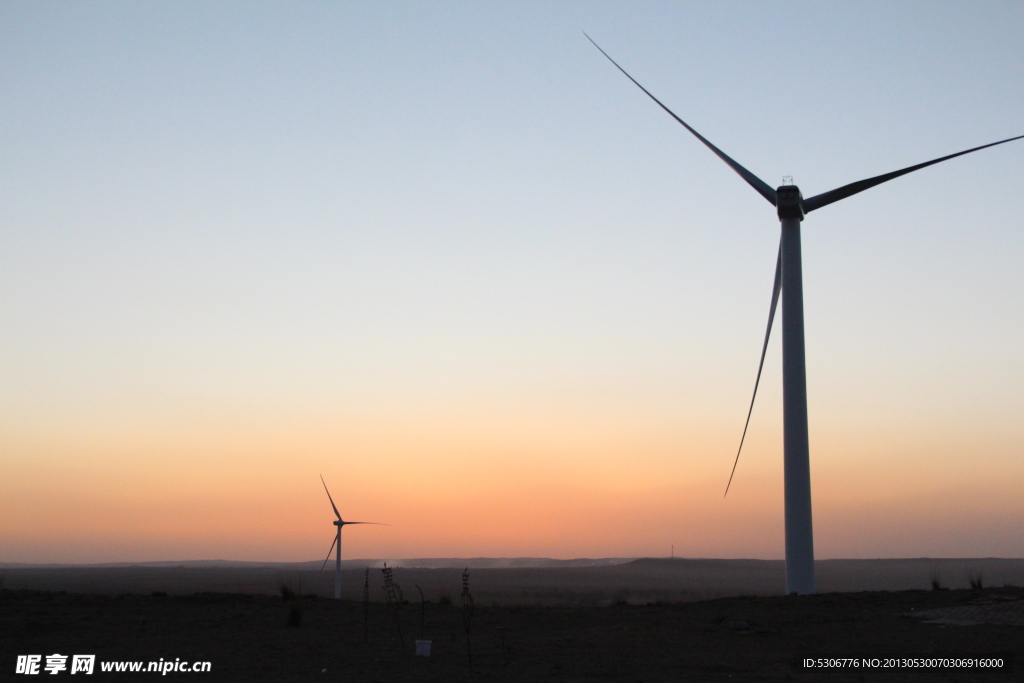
(797, 466)
(337, 568)
(423, 610)
(366, 607)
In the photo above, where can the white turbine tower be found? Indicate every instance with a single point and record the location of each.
(337, 541)
(791, 208)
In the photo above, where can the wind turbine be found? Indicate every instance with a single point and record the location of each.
(791, 208)
(337, 541)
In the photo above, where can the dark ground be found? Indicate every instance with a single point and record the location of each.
(248, 638)
(555, 583)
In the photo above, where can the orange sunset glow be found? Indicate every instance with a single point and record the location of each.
(458, 265)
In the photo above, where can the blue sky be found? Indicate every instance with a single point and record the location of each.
(220, 217)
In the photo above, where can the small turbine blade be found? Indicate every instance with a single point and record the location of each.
(377, 523)
(762, 187)
(330, 551)
(826, 198)
(771, 317)
(329, 497)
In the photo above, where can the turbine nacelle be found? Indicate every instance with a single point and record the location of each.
(789, 202)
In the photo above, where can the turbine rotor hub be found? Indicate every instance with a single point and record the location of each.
(789, 202)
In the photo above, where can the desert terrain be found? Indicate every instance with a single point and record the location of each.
(643, 620)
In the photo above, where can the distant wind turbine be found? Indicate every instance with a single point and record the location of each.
(337, 542)
(791, 208)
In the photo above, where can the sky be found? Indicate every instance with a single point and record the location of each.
(447, 256)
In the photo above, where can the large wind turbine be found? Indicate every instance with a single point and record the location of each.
(791, 208)
(337, 541)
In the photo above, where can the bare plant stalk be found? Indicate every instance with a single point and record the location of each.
(467, 614)
(391, 590)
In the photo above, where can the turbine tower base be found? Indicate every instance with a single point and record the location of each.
(797, 466)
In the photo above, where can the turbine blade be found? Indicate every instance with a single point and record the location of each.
(330, 551)
(377, 523)
(762, 187)
(826, 198)
(329, 497)
(771, 317)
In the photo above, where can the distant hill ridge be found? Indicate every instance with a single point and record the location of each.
(424, 563)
